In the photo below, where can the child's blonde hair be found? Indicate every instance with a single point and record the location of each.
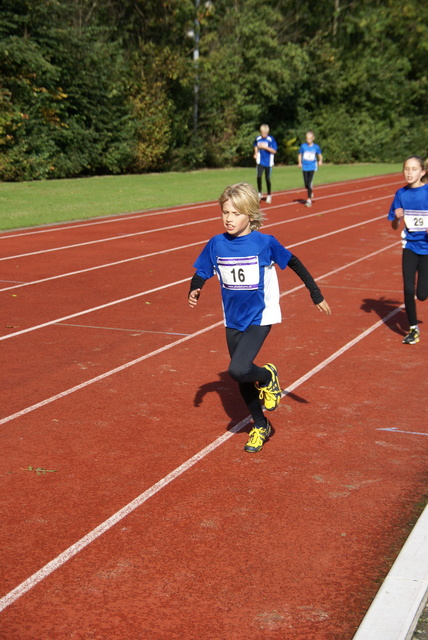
(264, 128)
(245, 200)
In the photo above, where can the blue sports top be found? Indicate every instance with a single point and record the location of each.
(309, 156)
(249, 283)
(264, 157)
(414, 202)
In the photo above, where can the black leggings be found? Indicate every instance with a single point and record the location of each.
(243, 348)
(308, 178)
(413, 264)
(268, 171)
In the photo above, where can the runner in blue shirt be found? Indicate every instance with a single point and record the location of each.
(410, 204)
(310, 156)
(244, 261)
(265, 147)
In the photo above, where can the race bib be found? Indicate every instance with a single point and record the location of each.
(239, 273)
(309, 156)
(416, 220)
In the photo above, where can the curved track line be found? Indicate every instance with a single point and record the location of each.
(78, 546)
(107, 374)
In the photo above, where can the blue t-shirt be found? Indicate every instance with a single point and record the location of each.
(414, 202)
(245, 266)
(264, 157)
(309, 154)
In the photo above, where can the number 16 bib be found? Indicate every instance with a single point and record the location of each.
(239, 273)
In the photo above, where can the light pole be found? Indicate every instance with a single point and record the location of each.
(196, 64)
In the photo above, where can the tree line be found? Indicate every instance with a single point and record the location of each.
(132, 86)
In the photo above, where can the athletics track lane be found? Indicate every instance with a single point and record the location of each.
(185, 565)
(64, 297)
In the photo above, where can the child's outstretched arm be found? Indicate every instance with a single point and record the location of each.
(196, 285)
(316, 295)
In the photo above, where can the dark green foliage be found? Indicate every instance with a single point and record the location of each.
(94, 88)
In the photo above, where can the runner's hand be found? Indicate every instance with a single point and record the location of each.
(324, 306)
(193, 297)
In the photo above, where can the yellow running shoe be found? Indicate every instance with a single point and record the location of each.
(258, 436)
(412, 337)
(270, 395)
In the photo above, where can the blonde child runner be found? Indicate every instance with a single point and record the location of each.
(244, 261)
(265, 147)
(410, 205)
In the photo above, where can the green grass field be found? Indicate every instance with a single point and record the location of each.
(28, 204)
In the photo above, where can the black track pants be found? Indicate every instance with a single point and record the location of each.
(414, 264)
(243, 348)
(308, 178)
(268, 172)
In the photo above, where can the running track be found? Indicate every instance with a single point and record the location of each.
(149, 522)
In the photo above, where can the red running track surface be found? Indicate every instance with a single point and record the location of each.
(147, 520)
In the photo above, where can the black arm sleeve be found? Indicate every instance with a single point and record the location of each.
(197, 282)
(300, 270)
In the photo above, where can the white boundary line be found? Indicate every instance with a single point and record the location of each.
(78, 546)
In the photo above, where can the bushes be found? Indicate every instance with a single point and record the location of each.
(89, 88)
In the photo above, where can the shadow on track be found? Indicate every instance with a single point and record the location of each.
(233, 404)
(382, 307)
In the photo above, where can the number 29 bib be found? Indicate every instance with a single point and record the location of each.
(416, 220)
(239, 273)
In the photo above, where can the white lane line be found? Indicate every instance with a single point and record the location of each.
(395, 180)
(78, 546)
(189, 224)
(186, 246)
(101, 240)
(102, 306)
(111, 219)
(104, 266)
(107, 374)
(135, 215)
(91, 326)
(397, 430)
(166, 286)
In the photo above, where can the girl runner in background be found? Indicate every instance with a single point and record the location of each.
(410, 204)
(310, 156)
